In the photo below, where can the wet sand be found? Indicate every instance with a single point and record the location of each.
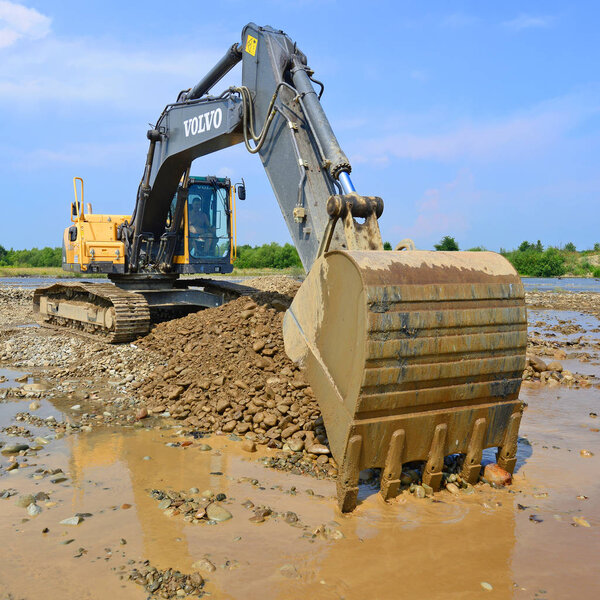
(445, 547)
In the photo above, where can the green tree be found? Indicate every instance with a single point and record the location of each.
(387, 246)
(570, 247)
(551, 264)
(524, 246)
(447, 243)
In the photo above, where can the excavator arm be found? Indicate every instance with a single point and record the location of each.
(276, 112)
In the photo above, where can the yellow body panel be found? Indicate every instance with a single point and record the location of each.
(96, 241)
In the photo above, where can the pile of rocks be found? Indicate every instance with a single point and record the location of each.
(167, 583)
(192, 506)
(553, 374)
(227, 371)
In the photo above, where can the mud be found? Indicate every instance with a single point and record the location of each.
(529, 540)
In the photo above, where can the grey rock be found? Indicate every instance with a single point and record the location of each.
(14, 449)
(215, 512)
(419, 491)
(25, 501)
(204, 565)
(33, 510)
(453, 488)
(71, 521)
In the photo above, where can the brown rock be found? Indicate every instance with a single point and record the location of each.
(560, 354)
(555, 366)
(141, 414)
(496, 474)
(222, 405)
(258, 345)
(537, 364)
(289, 431)
(270, 420)
(248, 446)
(318, 449)
(174, 392)
(204, 565)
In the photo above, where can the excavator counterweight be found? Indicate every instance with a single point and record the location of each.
(412, 355)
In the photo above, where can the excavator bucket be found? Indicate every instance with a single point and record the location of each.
(413, 356)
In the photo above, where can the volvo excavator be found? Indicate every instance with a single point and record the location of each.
(412, 355)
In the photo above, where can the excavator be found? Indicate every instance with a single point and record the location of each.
(412, 355)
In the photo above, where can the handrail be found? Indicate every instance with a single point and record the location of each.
(80, 213)
(233, 224)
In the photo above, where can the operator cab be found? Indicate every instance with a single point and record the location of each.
(206, 240)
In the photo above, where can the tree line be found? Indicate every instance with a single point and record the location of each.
(530, 259)
(36, 257)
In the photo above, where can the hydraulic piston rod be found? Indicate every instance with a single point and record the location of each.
(346, 182)
(232, 57)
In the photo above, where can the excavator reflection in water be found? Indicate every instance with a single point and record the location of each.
(249, 556)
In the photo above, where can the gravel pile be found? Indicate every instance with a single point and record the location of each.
(280, 284)
(227, 371)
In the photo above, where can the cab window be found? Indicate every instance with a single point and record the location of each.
(207, 221)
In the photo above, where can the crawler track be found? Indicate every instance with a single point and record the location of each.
(99, 311)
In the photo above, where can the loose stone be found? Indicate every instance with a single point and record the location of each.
(493, 473)
(216, 512)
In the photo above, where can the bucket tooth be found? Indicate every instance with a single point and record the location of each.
(390, 477)
(507, 453)
(432, 472)
(347, 483)
(472, 465)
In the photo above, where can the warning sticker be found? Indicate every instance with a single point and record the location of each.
(251, 45)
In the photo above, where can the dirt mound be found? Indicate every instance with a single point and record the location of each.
(227, 370)
(281, 284)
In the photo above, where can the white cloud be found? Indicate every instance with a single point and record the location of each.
(18, 21)
(102, 72)
(444, 210)
(529, 22)
(505, 138)
(88, 154)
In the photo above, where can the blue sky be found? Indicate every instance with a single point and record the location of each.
(479, 120)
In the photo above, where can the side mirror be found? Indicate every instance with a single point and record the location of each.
(241, 190)
(74, 209)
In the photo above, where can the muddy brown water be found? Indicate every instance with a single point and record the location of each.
(441, 548)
